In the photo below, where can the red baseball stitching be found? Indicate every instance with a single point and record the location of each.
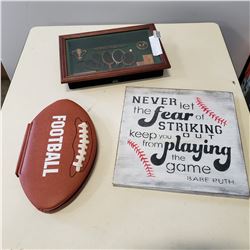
(210, 113)
(147, 166)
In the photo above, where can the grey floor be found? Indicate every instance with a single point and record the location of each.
(4, 89)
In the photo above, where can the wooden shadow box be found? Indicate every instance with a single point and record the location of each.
(112, 55)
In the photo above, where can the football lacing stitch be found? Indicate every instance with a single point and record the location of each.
(147, 166)
(82, 146)
(210, 113)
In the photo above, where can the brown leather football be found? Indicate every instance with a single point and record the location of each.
(57, 155)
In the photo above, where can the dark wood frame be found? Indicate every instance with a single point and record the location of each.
(137, 70)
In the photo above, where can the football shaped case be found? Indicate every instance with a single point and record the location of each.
(57, 155)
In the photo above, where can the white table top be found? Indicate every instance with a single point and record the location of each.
(104, 216)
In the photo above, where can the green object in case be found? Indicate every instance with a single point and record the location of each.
(108, 52)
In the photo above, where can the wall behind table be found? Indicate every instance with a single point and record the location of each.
(19, 17)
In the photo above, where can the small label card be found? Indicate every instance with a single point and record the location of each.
(155, 45)
(182, 141)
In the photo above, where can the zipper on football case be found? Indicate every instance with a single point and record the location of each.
(23, 150)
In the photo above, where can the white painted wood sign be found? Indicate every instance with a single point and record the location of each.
(180, 140)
